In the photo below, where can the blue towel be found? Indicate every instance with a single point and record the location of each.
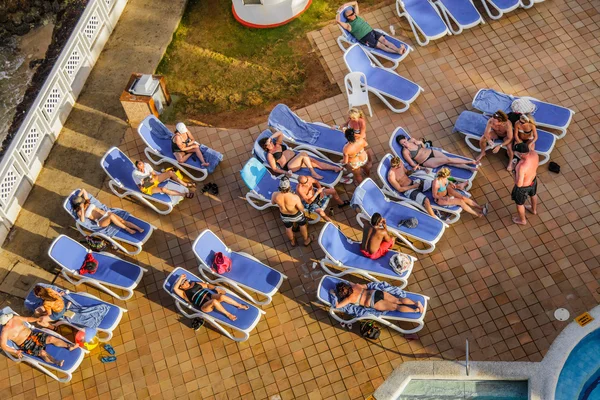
(490, 101)
(284, 119)
(111, 230)
(471, 123)
(360, 311)
(212, 157)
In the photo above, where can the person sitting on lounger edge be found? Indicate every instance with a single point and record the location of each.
(148, 180)
(184, 145)
(498, 127)
(84, 209)
(198, 294)
(399, 180)
(362, 31)
(28, 341)
(417, 156)
(376, 241)
(379, 300)
(314, 196)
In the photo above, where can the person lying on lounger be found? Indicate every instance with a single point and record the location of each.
(376, 241)
(28, 341)
(285, 161)
(362, 31)
(445, 194)
(314, 196)
(184, 145)
(399, 180)
(148, 180)
(84, 209)
(498, 128)
(198, 294)
(377, 299)
(417, 156)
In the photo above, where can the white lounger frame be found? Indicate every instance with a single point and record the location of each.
(500, 12)
(190, 312)
(416, 29)
(451, 20)
(205, 270)
(76, 279)
(383, 320)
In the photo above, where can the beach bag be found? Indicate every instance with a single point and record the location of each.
(197, 323)
(89, 266)
(221, 264)
(400, 263)
(369, 330)
(95, 243)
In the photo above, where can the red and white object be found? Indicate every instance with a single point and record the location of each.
(267, 13)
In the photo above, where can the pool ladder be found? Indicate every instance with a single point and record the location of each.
(467, 367)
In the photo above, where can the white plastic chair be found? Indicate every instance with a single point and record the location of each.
(356, 90)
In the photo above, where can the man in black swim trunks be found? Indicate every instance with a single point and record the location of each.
(525, 182)
(399, 180)
(362, 31)
(291, 211)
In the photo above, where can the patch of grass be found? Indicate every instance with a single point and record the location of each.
(215, 64)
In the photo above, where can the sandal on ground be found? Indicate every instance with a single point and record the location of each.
(109, 349)
(346, 181)
(106, 360)
(485, 210)
(189, 195)
(346, 203)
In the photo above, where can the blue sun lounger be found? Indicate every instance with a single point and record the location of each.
(107, 325)
(383, 83)
(424, 19)
(460, 174)
(112, 234)
(459, 13)
(383, 170)
(262, 185)
(369, 197)
(330, 178)
(247, 272)
(346, 38)
(546, 115)
(327, 139)
(389, 319)
(344, 254)
(72, 359)
(246, 319)
(501, 7)
(120, 168)
(472, 125)
(112, 272)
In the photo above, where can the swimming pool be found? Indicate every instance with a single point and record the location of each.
(426, 389)
(580, 375)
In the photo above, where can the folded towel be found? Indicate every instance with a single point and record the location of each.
(489, 101)
(212, 157)
(360, 311)
(284, 119)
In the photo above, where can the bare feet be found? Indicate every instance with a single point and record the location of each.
(309, 241)
(140, 230)
(420, 307)
(73, 346)
(61, 363)
(243, 307)
(231, 316)
(316, 176)
(402, 49)
(510, 167)
(130, 231)
(530, 209)
(294, 243)
(518, 221)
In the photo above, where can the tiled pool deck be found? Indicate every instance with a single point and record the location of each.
(490, 281)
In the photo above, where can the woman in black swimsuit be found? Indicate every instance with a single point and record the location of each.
(199, 294)
(285, 161)
(352, 293)
(417, 155)
(184, 145)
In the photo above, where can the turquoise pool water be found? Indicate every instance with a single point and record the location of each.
(579, 378)
(461, 390)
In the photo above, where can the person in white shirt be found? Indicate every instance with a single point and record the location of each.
(148, 180)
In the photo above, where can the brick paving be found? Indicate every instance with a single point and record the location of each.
(490, 281)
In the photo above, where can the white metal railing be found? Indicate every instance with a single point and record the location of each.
(24, 158)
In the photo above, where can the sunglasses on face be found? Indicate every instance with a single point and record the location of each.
(352, 14)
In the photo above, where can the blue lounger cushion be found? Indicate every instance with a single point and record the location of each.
(463, 11)
(458, 173)
(136, 237)
(473, 123)
(328, 283)
(244, 270)
(373, 200)
(337, 247)
(256, 177)
(245, 318)
(426, 17)
(504, 5)
(112, 270)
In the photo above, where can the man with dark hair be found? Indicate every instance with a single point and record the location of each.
(498, 128)
(376, 241)
(291, 211)
(525, 182)
(314, 196)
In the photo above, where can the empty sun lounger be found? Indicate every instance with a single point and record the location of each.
(112, 234)
(247, 272)
(112, 272)
(383, 170)
(158, 140)
(369, 197)
(344, 254)
(389, 319)
(459, 14)
(346, 38)
(501, 7)
(547, 115)
(460, 174)
(120, 168)
(472, 125)
(72, 359)
(424, 19)
(383, 83)
(315, 137)
(108, 323)
(330, 178)
(246, 319)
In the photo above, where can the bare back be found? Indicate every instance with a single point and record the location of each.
(372, 238)
(288, 203)
(526, 169)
